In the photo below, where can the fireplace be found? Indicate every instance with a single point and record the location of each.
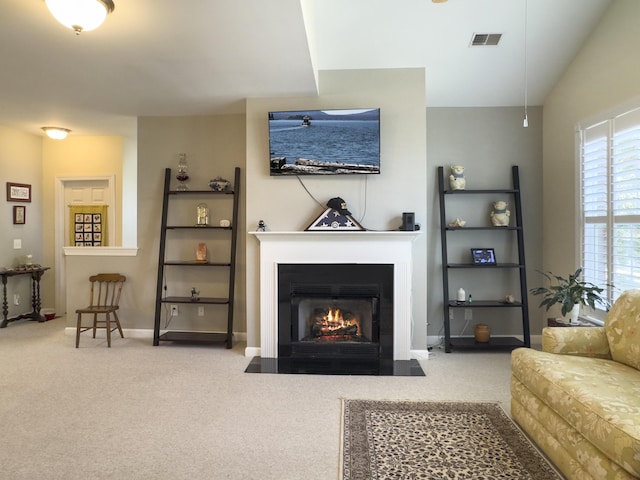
(335, 312)
(389, 334)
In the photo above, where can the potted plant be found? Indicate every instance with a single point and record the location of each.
(570, 293)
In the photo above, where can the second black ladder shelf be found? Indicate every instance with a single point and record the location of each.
(450, 304)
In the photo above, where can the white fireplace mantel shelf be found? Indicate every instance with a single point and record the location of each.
(387, 247)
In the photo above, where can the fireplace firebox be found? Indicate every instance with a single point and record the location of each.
(336, 317)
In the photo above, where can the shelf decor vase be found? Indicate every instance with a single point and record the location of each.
(182, 176)
(482, 332)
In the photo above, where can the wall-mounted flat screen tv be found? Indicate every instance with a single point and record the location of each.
(324, 142)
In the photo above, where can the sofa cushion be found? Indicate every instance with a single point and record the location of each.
(623, 329)
(598, 397)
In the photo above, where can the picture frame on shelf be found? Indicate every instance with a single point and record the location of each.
(483, 256)
(19, 214)
(18, 192)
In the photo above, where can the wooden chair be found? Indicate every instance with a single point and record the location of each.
(105, 297)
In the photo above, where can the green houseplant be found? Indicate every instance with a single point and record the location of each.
(570, 293)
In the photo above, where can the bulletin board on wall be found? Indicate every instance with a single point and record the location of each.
(88, 225)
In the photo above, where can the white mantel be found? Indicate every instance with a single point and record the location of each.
(389, 247)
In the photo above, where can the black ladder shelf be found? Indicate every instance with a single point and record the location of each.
(450, 306)
(161, 301)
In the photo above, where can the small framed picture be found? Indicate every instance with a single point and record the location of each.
(483, 256)
(18, 192)
(19, 215)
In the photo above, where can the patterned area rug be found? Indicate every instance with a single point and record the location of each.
(436, 440)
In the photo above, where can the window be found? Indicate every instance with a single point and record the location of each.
(610, 200)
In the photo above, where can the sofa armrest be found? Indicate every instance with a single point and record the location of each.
(579, 341)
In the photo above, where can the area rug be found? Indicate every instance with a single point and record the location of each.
(436, 440)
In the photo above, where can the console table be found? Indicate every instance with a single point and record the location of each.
(36, 275)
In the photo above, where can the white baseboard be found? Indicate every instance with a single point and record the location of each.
(142, 333)
(252, 352)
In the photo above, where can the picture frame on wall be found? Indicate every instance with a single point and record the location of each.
(18, 192)
(19, 215)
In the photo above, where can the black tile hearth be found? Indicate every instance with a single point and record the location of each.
(336, 366)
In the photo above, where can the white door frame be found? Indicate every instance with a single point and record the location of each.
(60, 274)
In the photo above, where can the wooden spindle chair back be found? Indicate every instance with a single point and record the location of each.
(106, 289)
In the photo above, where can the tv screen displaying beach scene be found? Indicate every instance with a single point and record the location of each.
(324, 142)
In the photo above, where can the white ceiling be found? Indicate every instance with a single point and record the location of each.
(191, 57)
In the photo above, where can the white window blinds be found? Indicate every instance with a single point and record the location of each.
(610, 196)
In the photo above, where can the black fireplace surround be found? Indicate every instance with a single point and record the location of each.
(362, 342)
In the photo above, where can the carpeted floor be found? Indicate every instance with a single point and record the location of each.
(436, 440)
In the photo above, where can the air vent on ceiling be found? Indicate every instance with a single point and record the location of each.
(485, 39)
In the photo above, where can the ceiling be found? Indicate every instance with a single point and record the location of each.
(198, 57)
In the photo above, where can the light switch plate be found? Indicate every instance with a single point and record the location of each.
(17, 243)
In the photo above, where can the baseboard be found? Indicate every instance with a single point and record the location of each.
(252, 352)
(143, 333)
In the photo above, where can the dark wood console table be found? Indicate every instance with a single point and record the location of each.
(36, 275)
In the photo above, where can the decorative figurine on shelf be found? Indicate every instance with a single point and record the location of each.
(203, 214)
(509, 299)
(195, 294)
(500, 214)
(456, 179)
(458, 222)
(219, 184)
(224, 223)
(262, 227)
(182, 176)
(201, 253)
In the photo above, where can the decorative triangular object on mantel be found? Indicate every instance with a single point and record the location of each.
(332, 220)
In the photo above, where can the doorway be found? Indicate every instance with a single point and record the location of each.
(73, 191)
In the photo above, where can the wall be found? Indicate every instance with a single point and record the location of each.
(604, 74)
(214, 146)
(401, 186)
(21, 162)
(487, 142)
(76, 156)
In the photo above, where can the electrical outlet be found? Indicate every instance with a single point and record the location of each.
(201, 311)
(174, 310)
(16, 299)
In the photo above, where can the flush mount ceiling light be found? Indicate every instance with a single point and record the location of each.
(80, 15)
(438, 1)
(57, 133)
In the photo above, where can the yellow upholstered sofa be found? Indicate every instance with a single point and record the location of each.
(579, 398)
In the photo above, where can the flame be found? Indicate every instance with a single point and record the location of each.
(334, 320)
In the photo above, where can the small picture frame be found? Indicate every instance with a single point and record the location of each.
(19, 215)
(18, 192)
(483, 256)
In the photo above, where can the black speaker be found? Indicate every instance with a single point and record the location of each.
(408, 221)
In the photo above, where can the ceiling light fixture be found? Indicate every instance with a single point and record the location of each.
(439, 1)
(57, 133)
(525, 122)
(80, 15)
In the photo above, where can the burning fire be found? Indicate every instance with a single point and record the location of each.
(334, 323)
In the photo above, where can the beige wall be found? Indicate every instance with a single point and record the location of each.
(76, 156)
(401, 187)
(487, 142)
(214, 145)
(20, 162)
(605, 74)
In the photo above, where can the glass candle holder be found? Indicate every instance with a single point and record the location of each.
(202, 212)
(182, 176)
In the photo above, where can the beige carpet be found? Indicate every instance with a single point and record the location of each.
(436, 440)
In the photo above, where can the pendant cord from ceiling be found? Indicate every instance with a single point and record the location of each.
(525, 122)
